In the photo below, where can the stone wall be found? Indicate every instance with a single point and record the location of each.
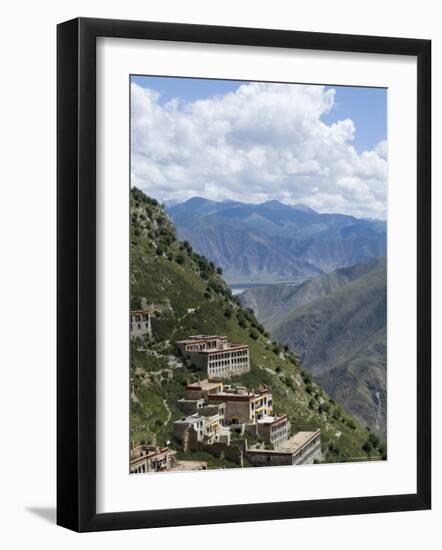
(232, 452)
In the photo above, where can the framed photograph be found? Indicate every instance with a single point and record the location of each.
(243, 274)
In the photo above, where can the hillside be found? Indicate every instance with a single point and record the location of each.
(337, 325)
(273, 302)
(196, 300)
(360, 382)
(273, 242)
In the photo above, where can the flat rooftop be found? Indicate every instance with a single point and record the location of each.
(297, 441)
(271, 419)
(184, 400)
(141, 454)
(229, 347)
(231, 396)
(190, 419)
(201, 338)
(189, 465)
(204, 385)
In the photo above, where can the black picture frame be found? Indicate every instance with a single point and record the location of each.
(76, 273)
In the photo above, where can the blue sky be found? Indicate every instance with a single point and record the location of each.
(367, 107)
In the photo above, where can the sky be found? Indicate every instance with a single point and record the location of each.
(322, 146)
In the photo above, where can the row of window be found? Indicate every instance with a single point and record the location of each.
(225, 362)
(279, 428)
(140, 317)
(305, 454)
(139, 326)
(232, 354)
(223, 369)
(261, 402)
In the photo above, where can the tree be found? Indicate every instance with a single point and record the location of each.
(374, 439)
(228, 312)
(366, 447)
(242, 322)
(180, 259)
(219, 270)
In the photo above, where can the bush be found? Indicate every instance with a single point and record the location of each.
(180, 259)
(374, 439)
(276, 349)
(254, 334)
(366, 447)
(228, 312)
(219, 270)
(289, 382)
(187, 245)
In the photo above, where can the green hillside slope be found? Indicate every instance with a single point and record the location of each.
(194, 299)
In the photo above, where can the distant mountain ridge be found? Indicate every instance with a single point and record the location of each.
(337, 325)
(274, 242)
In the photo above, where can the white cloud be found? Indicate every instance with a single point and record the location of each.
(262, 142)
(381, 149)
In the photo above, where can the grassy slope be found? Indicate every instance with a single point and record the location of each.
(164, 270)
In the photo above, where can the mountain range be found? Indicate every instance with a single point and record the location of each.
(337, 325)
(274, 242)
